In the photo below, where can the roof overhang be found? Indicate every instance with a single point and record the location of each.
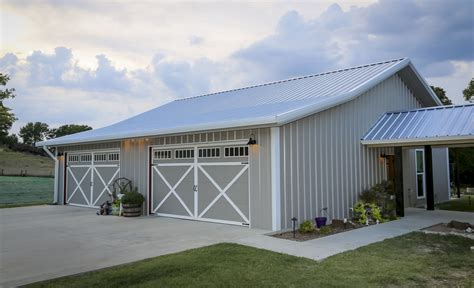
(433, 141)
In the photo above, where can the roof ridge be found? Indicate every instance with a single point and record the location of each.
(292, 79)
(432, 108)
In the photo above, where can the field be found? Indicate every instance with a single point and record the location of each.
(412, 260)
(23, 191)
(16, 163)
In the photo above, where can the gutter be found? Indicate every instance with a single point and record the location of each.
(56, 171)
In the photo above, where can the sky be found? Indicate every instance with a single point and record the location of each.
(99, 62)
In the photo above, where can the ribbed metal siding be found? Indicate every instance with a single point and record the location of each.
(260, 181)
(323, 162)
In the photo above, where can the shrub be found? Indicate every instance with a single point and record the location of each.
(325, 230)
(360, 209)
(307, 227)
(132, 197)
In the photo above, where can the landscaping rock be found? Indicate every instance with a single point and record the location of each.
(459, 225)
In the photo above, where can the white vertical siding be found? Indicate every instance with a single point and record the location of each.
(323, 162)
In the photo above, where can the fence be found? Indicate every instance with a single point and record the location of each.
(26, 172)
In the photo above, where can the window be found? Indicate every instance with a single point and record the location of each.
(114, 156)
(420, 173)
(184, 154)
(162, 154)
(209, 152)
(236, 151)
(86, 157)
(100, 157)
(73, 158)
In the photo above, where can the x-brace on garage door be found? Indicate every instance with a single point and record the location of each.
(209, 183)
(89, 176)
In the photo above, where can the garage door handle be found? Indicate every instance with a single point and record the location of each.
(195, 188)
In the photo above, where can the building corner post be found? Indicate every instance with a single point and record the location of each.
(275, 176)
(399, 198)
(429, 178)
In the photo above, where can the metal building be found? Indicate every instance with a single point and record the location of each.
(255, 156)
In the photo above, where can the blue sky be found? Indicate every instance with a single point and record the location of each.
(97, 62)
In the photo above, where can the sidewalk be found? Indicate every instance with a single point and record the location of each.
(319, 249)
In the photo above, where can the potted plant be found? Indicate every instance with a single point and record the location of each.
(321, 221)
(132, 203)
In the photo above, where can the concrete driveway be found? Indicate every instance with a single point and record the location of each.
(43, 242)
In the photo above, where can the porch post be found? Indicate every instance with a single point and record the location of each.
(429, 178)
(399, 182)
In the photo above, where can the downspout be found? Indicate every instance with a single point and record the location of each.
(56, 171)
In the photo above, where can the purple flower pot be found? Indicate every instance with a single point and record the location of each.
(320, 221)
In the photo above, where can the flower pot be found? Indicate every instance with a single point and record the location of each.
(131, 210)
(321, 221)
(116, 210)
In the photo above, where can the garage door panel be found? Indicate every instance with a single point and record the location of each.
(238, 193)
(78, 185)
(221, 174)
(160, 189)
(207, 192)
(89, 174)
(78, 198)
(216, 188)
(173, 174)
(173, 206)
(185, 190)
(222, 210)
(103, 177)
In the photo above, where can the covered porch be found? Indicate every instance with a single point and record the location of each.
(425, 128)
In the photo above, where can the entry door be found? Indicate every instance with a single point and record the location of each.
(89, 177)
(212, 184)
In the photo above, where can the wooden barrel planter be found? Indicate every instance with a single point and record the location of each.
(131, 210)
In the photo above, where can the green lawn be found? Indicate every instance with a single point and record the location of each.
(461, 204)
(415, 260)
(12, 163)
(23, 191)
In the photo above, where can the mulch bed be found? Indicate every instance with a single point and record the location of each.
(316, 234)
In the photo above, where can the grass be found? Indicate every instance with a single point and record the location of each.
(412, 260)
(12, 163)
(18, 191)
(465, 203)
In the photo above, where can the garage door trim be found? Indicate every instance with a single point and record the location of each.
(95, 176)
(196, 216)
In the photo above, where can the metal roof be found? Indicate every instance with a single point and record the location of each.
(268, 104)
(427, 126)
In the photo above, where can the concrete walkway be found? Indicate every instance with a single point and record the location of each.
(319, 249)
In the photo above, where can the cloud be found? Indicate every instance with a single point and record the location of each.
(431, 33)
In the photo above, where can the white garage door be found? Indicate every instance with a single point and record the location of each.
(89, 176)
(208, 183)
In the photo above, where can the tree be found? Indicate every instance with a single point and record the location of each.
(442, 95)
(6, 116)
(34, 132)
(68, 129)
(469, 91)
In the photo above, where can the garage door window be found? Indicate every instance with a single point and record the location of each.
(209, 152)
(236, 151)
(184, 154)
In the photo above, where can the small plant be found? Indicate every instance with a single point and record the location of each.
(307, 227)
(132, 197)
(325, 230)
(362, 210)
